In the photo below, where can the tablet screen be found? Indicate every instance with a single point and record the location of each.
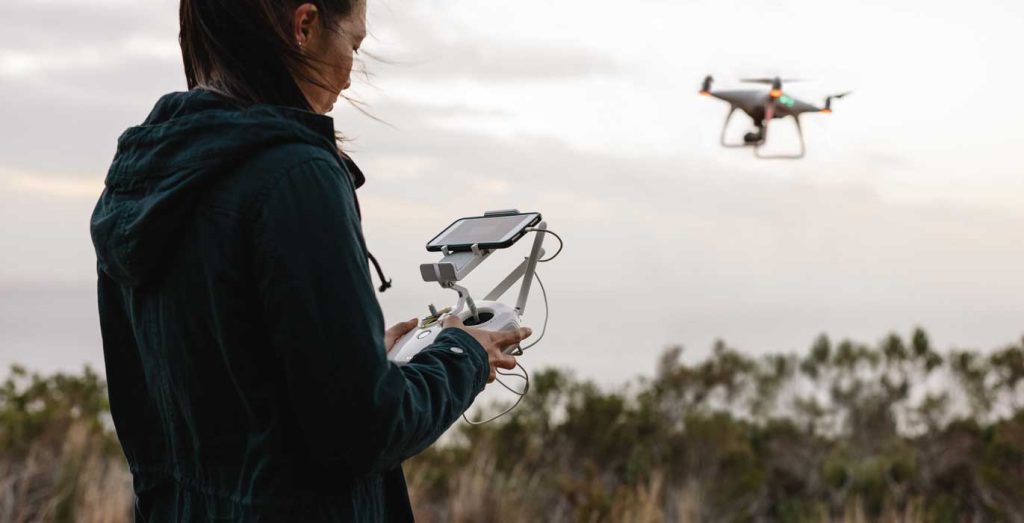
(484, 230)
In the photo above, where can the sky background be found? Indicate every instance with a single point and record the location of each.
(906, 211)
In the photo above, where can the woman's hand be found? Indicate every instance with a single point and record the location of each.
(494, 343)
(397, 331)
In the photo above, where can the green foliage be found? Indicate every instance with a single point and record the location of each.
(59, 459)
(846, 431)
(34, 407)
(894, 431)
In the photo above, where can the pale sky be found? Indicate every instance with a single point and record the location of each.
(906, 211)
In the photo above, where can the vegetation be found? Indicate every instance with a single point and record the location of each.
(846, 432)
(849, 432)
(59, 459)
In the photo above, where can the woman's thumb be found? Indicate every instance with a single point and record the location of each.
(453, 321)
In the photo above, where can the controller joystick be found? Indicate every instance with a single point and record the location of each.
(491, 316)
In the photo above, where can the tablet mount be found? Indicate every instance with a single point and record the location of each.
(487, 314)
(454, 267)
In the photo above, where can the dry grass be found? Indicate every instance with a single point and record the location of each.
(73, 477)
(77, 479)
(479, 492)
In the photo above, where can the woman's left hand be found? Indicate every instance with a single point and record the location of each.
(397, 331)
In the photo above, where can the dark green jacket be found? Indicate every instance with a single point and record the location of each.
(242, 338)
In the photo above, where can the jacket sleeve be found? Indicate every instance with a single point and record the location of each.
(351, 404)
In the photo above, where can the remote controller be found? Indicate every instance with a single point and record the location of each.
(493, 316)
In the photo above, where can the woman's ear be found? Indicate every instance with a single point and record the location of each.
(304, 23)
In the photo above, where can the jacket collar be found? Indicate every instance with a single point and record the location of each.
(320, 124)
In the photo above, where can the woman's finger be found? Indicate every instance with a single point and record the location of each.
(506, 362)
(407, 326)
(453, 321)
(507, 338)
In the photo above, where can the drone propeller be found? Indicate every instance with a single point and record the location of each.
(776, 84)
(770, 81)
(828, 101)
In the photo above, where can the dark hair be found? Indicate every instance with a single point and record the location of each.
(245, 48)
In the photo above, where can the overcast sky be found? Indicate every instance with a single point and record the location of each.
(906, 211)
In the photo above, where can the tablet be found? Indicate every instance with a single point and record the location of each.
(493, 231)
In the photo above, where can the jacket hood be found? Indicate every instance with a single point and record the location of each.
(188, 141)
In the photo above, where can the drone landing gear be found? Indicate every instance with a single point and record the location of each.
(725, 126)
(800, 135)
(757, 139)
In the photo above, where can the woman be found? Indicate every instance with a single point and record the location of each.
(244, 346)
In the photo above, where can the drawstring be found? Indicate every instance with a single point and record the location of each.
(357, 180)
(385, 283)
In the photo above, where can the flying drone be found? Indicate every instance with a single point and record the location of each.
(762, 107)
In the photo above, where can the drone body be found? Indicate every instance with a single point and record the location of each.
(762, 107)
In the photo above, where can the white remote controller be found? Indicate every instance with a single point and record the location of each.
(494, 316)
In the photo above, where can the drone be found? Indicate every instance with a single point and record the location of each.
(762, 107)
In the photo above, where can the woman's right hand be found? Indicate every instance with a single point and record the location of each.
(494, 343)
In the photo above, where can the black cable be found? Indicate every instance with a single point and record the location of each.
(547, 315)
(560, 243)
(525, 376)
(519, 395)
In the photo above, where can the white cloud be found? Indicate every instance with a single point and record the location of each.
(924, 76)
(77, 187)
(21, 64)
